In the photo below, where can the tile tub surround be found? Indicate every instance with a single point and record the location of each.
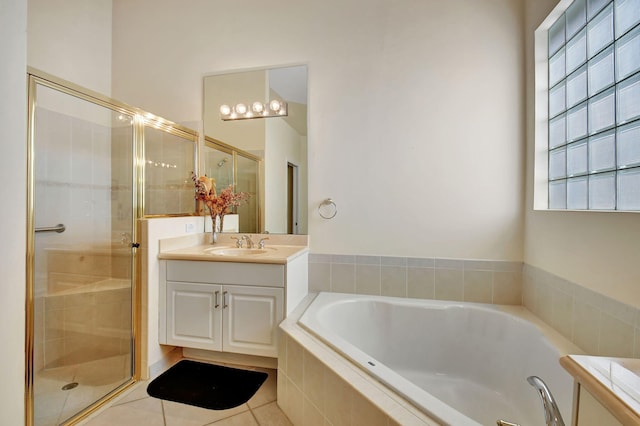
(594, 322)
(316, 386)
(481, 281)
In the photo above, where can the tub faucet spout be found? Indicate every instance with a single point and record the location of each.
(552, 414)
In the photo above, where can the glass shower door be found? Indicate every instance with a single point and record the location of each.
(83, 213)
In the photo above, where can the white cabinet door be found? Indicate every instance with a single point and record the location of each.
(251, 318)
(194, 315)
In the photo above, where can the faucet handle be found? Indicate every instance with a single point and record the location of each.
(261, 243)
(239, 241)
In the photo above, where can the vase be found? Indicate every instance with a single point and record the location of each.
(216, 225)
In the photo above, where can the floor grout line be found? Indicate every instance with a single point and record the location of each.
(254, 415)
(164, 418)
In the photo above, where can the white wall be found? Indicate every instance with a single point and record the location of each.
(594, 249)
(157, 229)
(416, 112)
(13, 163)
(71, 39)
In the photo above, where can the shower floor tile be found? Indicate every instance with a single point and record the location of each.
(95, 379)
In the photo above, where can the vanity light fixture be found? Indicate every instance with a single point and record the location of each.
(274, 108)
(257, 107)
(241, 109)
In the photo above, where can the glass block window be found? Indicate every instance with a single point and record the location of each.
(594, 106)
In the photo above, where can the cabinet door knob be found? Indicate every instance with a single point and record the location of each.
(224, 300)
(217, 305)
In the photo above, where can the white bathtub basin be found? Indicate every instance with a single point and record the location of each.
(460, 363)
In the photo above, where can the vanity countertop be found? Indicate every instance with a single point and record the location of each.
(280, 249)
(614, 382)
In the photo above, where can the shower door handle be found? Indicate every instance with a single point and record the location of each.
(58, 228)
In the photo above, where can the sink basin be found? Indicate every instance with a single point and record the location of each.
(227, 251)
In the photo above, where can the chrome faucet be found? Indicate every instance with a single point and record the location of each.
(261, 243)
(552, 414)
(239, 241)
(249, 241)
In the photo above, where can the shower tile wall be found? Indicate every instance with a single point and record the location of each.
(596, 323)
(88, 325)
(76, 185)
(481, 281)
(121, 188)
(73, 176)
(169, 162)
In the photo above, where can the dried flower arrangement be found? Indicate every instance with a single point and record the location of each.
(217, 204)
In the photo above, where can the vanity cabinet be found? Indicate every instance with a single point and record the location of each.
(227, 318)
(227, 306)
(194, 315)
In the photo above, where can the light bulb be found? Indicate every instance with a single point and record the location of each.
(241, 108)
(274, 105)
(257, 107)
(225, 109)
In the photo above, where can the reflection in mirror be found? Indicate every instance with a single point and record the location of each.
(280, 141)
(231, 166)
(218, 164)
(247, 179)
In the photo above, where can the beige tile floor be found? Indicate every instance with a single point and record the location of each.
(136, 408)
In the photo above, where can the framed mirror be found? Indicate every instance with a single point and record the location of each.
(278, 137)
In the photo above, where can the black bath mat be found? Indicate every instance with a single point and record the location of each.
(206, 385)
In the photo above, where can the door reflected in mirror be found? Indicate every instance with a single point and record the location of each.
(279, 140)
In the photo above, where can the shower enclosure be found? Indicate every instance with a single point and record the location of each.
(87, 169)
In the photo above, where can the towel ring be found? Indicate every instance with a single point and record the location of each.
(328, 209)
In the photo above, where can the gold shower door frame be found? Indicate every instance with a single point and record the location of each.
(140, 120)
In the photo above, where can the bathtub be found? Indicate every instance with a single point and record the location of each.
(459, 363)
